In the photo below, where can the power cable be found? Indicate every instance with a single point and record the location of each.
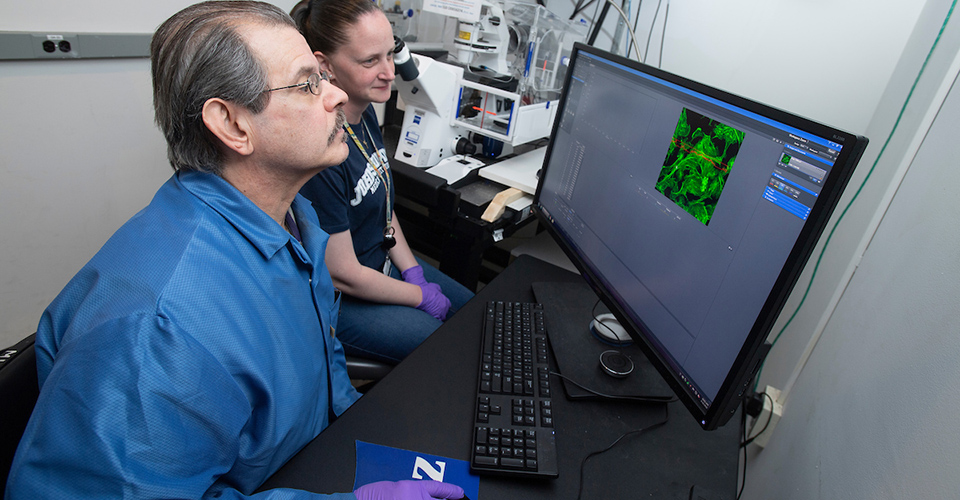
(646, 49)
(583, 463)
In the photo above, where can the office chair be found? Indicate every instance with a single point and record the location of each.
(18, 395)
(366, 370)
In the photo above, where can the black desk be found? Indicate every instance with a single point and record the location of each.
(426, 404)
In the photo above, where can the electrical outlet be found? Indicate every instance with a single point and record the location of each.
(25, 45)
(768, 418)
(55, 46)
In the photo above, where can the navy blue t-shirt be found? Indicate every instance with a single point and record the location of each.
(351, 195)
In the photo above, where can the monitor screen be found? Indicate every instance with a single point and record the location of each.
(690, 212)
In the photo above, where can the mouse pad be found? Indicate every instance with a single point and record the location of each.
(568, 310)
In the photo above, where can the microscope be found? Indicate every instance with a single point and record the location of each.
(499, 92)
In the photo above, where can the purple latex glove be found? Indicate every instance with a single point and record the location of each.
(414, 276)
(408, 490)
(434, 302)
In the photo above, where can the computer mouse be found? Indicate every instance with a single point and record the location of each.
(606, 328)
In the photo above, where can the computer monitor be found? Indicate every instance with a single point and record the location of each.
(691, 213)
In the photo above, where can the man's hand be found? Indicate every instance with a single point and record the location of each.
(408, 490)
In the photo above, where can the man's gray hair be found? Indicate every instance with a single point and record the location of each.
(199, 54)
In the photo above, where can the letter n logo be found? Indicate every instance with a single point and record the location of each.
(424, 467)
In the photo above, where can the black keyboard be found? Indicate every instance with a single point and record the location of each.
(513, 425)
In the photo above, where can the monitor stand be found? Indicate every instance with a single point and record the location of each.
(568, 309)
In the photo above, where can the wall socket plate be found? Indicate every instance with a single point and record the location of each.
(23, 45)
(768, 418)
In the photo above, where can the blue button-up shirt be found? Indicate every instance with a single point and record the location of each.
(191, 357)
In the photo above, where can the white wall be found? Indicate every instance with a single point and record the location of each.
(79, 155)
(785, 53)
(870, 415)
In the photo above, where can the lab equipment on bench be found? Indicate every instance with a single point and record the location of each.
(503, 88)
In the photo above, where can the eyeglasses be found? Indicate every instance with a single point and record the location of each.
(312, 84)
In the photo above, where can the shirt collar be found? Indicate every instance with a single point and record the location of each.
(260, 229)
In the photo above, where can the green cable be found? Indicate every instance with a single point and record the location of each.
(862, 184)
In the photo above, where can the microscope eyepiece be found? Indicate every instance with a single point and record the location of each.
(404, 61)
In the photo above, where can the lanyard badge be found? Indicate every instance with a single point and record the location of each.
(389, 241)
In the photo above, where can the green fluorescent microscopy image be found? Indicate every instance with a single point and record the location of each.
(698, 162)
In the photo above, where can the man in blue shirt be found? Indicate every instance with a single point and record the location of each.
(196, 352)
